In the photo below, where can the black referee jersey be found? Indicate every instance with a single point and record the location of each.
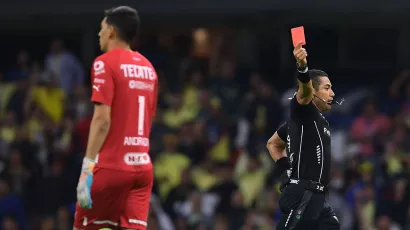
(307, 135)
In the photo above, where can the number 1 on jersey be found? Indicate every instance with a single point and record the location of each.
(141, 115)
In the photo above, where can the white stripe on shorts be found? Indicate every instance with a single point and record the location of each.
(105, 222)
(135, 221)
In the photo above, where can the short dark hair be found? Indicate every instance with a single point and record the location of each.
(125, 20)
(315, 75)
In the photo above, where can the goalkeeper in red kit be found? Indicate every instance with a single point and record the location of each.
(116, 179)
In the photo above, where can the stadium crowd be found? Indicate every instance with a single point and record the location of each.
(212, 170)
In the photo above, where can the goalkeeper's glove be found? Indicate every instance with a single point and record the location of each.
(84, 184)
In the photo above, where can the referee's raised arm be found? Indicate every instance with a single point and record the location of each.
(305, 88)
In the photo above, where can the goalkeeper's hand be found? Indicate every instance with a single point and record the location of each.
(84, 184)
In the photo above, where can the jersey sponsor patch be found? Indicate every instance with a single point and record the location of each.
(133, 84)
(137, 159)
(99, 68)
(99, 81)
(138, 72)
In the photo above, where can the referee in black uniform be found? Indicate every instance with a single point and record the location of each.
(306, 138)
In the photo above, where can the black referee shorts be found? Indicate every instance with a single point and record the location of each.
(318, 214)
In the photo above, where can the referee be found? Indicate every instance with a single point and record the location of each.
(306, 138)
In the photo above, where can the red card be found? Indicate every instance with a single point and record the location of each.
(298, 35)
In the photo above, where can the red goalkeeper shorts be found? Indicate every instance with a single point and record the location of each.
(120, 199)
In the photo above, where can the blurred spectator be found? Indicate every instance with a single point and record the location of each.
(10, 205)
(38, 74)
(17, 172)
(226, 87)
(191, 92)
(369, 129)
(63, 219)
(50, 99)
(64, 67)
(21, 69)
(250, 174)
(17, 102)
(193, 141)
(169, 165)
(179, 194)
(9, 223)
(263, 113)
(400, 202)
(366, 207)
(80, 105)
(48, 223)
(385, 223)
(237, 215)
(225, 189)
(192, 211)
(204, 175)
(159, 219)
(82, 128)
(8, 128)
(221, 223)
(176, 115)
(55, 188)
(392, 159)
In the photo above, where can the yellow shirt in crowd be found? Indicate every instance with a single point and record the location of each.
(6, 91)
(167, 170)
(51, 101)
(7, 134)
(203, 179)
(251, 183)
(176, 119)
